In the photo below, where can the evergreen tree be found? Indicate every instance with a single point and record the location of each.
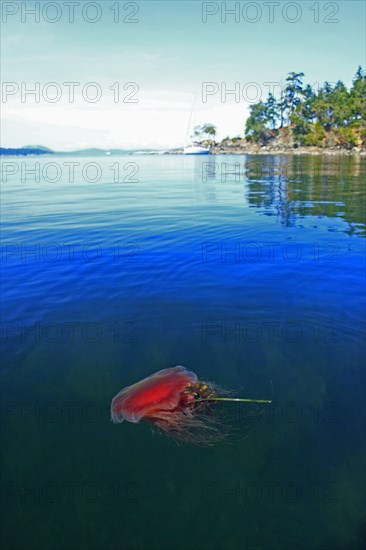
(272, 110)
(357, 99)
(256, 125)
(208, 130)
(293, 91)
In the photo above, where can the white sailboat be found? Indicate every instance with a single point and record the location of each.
(194, 148)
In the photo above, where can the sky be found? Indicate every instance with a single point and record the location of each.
(145, 72)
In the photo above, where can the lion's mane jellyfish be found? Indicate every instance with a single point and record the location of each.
(176, 402)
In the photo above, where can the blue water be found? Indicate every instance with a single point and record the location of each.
(248, 271)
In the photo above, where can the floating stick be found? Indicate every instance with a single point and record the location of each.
(233, 399)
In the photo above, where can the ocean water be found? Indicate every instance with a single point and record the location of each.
(248, 271)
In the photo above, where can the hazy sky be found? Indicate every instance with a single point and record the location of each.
(168, 50)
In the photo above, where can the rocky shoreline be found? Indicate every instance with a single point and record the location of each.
(241, 147)
(270, 150)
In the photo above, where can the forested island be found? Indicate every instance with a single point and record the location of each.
(330, 118)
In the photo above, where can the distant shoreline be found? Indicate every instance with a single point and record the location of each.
(226, 147)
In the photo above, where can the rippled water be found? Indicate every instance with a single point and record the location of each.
(247, 270)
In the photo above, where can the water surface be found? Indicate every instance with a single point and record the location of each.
(247, 270)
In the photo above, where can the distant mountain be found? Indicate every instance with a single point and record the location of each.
(40, 147)
(27, 150)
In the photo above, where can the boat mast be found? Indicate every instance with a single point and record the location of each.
(188, 135)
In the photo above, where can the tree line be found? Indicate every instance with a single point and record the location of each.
(331, 115)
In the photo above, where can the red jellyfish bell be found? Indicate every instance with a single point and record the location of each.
(176, 402)
(157, 394)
